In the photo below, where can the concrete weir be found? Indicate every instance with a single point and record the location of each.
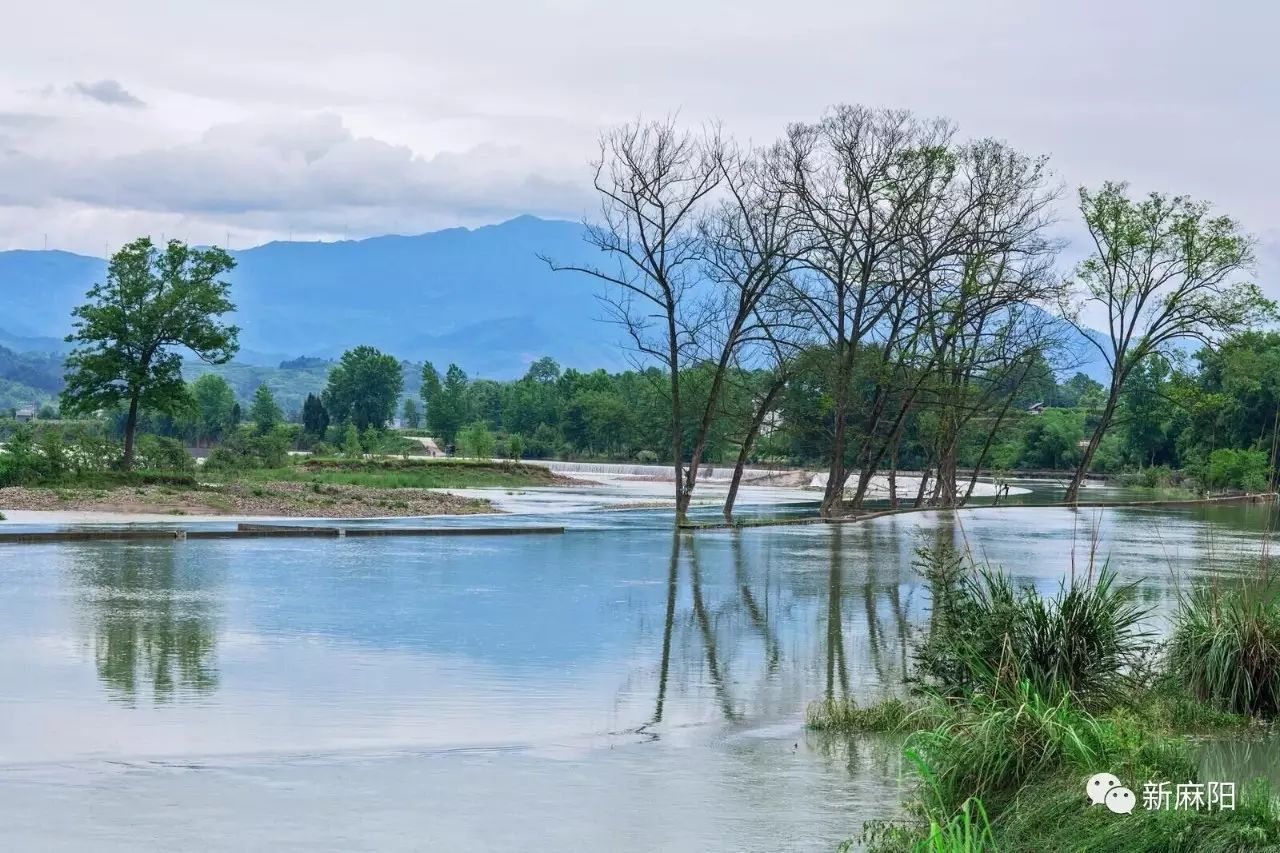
(257, 531)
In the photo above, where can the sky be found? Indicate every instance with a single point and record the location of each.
(240, 122)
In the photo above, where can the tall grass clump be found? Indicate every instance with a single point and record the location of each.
(985, 633)
(1225, 646)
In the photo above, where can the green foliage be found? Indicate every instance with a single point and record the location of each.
(246, 449)
(1084, 642)
(263, 412)
(130, 334)
(1226, 468)
(351, 446)
(315, 417)
(214, 408)
(410, 416)
(447, 404)
(161, 453)
(1052, 439)
(1225, 647)
(476, 441)
(363, 388)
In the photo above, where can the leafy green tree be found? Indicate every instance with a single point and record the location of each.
(446, 402)
(410, 416)
(351, 442)
(315, 417)
(264, 412)
(1164, 270)
(215, 405)
(476, 441)
(363, 388)
(130, 334)
(1053, 438)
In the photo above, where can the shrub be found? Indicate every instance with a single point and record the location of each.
(646, 457)
(160, 453)
(1085, 641)
(515, 446)
(1225, 646)
(245, 449)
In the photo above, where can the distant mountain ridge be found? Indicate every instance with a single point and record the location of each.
(480, 298)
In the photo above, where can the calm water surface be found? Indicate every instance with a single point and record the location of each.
(613, 688)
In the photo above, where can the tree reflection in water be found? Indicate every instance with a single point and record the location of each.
(151, 616)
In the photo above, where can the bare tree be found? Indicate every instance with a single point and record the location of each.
(866, 185)
(1163, 270)
(749, 248)
(653, 179)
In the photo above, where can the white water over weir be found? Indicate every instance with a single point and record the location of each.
(787, 478)
(706, 473)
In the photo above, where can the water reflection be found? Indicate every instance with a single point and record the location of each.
(151, 619)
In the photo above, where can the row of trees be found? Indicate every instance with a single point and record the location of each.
(917, 266)
(879, 287)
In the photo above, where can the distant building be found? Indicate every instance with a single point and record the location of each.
(1036, 409)
(26, 414)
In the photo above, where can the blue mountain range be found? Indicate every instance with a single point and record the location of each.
(481, 298)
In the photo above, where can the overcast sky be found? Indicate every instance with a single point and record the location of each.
(316, 118)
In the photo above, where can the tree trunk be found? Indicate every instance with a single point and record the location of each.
(924, 484)
(836, 474)
(756, 422)
(1073, 490)
(893, 472)
(130, 429)
(677, 438)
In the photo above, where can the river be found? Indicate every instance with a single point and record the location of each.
(615, 688)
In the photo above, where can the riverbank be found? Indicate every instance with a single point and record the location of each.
(314, 488)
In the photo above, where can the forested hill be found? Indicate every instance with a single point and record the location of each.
(480, 298)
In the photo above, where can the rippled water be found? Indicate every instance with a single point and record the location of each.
(614, 688)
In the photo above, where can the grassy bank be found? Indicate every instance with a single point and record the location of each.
(1017, 699)
(310, 488)
(392, 473)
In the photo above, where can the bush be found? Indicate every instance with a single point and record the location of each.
(1225, 647)
(1085, 642)
(515, 447)
(244, 449)
(160, 453)
(21, 464)
(646, 457)
(1152, 477)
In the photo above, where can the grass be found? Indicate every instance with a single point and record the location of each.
(1007, 773)
(845, 716)
(1027, 696)
(406, 474)
(986, 634)
(1225, 647)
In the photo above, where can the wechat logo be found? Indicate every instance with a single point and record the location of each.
(1105, 789)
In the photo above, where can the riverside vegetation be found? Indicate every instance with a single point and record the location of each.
(1017, 699)
(249, 474)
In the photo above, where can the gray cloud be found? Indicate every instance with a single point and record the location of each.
(108, 92)
(309, 170)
